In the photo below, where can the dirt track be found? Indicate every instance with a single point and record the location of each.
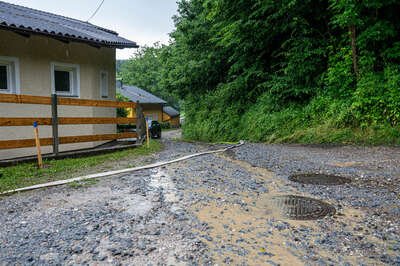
(214, 209)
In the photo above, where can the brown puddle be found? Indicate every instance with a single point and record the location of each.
(245, 228)
(247, 233)
(232, 225)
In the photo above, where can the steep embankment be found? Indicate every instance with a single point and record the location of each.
(281, 71)
(303, 71)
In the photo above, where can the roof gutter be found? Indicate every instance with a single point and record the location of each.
(64, 38)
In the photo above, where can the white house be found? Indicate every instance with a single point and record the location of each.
(43, 53)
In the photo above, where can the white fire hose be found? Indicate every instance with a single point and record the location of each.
(116, 172)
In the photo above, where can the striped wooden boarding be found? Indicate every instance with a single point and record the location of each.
(26, 143)
(31, 99)
(43, 121)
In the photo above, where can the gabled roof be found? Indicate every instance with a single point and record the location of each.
(137, 94)
(31, 21)
(170, 111)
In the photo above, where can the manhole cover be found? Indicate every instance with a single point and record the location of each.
(302, 208)
(319, 179)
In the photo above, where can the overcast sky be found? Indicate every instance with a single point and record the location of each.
(142, 21)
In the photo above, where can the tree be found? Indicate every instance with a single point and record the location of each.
(144, 70)
(267, 67)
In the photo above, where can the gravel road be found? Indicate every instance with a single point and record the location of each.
(215, 209)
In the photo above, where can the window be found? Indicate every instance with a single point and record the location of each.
(9, 75)
(4, 79)
(62, 81)
(104, 84)
(65, 79)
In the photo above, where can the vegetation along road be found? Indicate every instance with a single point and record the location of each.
(222, 208)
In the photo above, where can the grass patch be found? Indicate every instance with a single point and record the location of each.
(27, 174)
(325, 134)
(322, 120)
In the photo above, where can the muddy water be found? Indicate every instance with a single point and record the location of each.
(232, 224)
(257, 232)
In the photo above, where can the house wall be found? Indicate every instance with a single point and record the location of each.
(154, 110)
(35, 55)
(173, 121)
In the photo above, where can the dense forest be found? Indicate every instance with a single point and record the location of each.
(280, 71)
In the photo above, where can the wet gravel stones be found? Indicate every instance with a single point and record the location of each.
(121, 220)
(319, 179)
(372, 228)
(159, 216)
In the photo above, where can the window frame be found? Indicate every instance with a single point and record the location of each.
(13, 74)
(74, 75)
(107, 95)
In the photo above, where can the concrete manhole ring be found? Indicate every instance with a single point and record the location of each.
(319, 179)
(302, 208)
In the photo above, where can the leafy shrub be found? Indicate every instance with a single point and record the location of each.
(165, 125)
(122, 112)
(377, 98)
(274, 71)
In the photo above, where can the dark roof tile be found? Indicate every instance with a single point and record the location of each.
(172, 112)
(19, 18)
(137, 94)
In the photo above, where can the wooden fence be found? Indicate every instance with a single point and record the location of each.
(54, 121)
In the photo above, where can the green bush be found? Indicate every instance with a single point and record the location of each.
(280, 71)
(165, 125)
(122, 112)
(322, 120)
(377, 98)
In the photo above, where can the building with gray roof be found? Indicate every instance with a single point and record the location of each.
(28, 21)
(136, 94)
(43, 54)
(172, 112)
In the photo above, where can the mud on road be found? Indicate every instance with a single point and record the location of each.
(216, 209)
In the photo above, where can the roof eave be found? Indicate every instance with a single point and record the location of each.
(173, 116)
(69, 38)
(152, 103)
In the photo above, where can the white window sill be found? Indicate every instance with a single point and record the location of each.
(7, 92)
